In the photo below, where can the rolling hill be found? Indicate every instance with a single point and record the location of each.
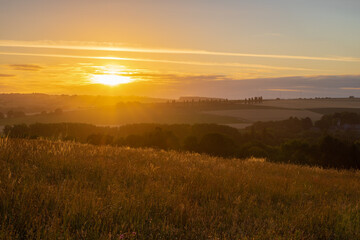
(67, 190)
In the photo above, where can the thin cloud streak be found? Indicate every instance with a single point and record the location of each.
(282, 90)
(6, 75)
(23, 44)
(350, 88)
(25, 67)
(158, 61)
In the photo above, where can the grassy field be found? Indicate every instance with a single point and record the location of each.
(313, 103)
(275, 110)
(136, 114)
(142, 113)
(254, 115)
(59, 190)
(335, 110)
(234, 114)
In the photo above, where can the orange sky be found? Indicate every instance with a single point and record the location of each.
(170, 49)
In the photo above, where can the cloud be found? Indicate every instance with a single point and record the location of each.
(350, 88)
(176, 85)
(285, 87)
(269, 35)
(239, 65)
(282, 90)
(6, 75)
(175, 78)
(113, 47)
(225, 86)
(25, 67)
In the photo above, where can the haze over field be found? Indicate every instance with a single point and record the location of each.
(232, 49)
(164, 119)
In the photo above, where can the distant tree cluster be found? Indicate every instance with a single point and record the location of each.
(19, 114)
(57, 111)
(339, 120)
(191, 101)
(294, 140)
(15, 114)
(253, 100)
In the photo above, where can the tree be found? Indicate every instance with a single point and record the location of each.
(162, 139)
(336, 153)
(100, 139)
(15, 114)
(306, 123)
(134, 140)
(191, 144)
(10, 114)
(217, 145)
(58, 111)
(17, 131)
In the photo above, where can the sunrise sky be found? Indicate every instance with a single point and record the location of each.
(228, 48)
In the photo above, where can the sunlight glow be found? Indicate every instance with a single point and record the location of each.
(110, 75)
(111, 79)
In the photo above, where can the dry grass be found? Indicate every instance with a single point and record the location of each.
(57, 190)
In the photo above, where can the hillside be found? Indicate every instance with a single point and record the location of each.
(51, 190)
(37, 102)
(116, 111)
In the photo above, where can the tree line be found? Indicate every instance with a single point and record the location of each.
(299, 141)
(19, 114)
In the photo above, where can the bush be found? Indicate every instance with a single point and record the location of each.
(217, 145)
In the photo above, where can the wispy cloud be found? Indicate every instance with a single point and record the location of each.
(269, 35)
(240, 65)
(282, 90)
(350, 88)
(6, 75)
(25, 67)
(116, 48)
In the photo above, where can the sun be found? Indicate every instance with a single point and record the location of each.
(110, 79)
(110, 75)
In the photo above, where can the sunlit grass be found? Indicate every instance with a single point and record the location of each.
(59, 190)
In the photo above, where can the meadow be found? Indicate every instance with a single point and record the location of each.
(254, 115)
(127, 114)
(64, 190)
(275, 110)
(341, 103)
(116, 113)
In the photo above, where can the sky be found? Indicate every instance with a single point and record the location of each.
(216, 48)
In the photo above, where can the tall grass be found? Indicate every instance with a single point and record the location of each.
(61, 190)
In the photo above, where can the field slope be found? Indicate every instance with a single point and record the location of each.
(58, 190)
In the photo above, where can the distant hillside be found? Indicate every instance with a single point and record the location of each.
(37, 102)
(197, 99)
(52, 190)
